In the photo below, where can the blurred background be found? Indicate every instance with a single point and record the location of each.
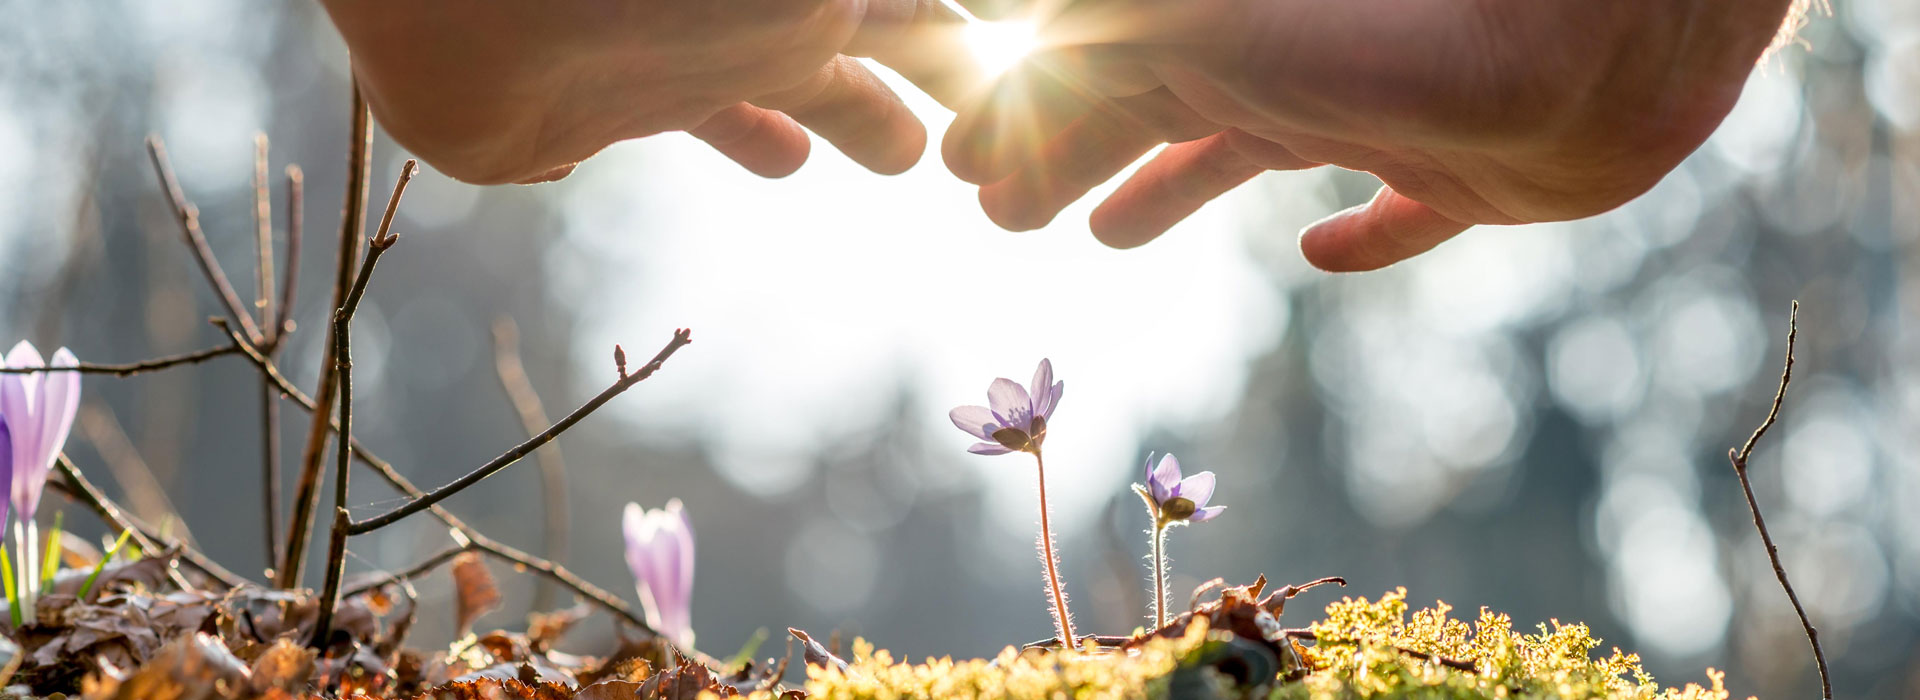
(1532, 419)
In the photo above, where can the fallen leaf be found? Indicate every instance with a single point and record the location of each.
(474, 592)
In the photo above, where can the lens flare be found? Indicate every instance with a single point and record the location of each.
(999, 46)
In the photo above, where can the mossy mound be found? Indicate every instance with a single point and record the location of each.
(1365, 649)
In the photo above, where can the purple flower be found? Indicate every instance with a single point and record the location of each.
(37, 409)
(660, 553)
(1174, 499)
(1015, 417)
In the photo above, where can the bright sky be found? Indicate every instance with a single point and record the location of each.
(813, 296)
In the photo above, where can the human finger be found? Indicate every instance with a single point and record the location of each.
(925, 41)
(1088, 153)
(1011, 121)
(1181, 179)
(847, 105)
(765, 142)
(1384, 231)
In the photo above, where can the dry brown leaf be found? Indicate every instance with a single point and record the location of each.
(609, 690)
(285, 665)
(474, 591)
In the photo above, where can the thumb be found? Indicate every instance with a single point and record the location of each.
(1387, 230)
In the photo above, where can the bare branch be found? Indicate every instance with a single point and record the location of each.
(189, 217)
(353, 220)
(262, 239)
(296, 184)
(553, 468)
(132, 368)
(680, 338)
(1739, 459)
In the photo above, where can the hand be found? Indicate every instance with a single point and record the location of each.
(496, 91)
(1471, 112)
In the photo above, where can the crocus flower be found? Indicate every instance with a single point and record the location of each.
(660, 552)
(1015, 417)
(1173, 499)
(38, 409)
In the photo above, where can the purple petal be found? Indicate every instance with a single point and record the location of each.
(1205, 514)
(57, 402)
(1009, 402)
(25, 428)
(1164, 478)
(660, 552)
(976, 420)
(6, 463)
(988, 448)
(1040, 389)
(1053, 397)
(1197, 488)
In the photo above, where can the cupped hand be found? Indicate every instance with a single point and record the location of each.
(1470, 112)
(496, 91)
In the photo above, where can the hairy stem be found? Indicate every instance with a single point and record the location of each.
(1062, 620)
(1159, 575)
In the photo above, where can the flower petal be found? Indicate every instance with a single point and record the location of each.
(6, 463)
(988, 448)
(24, 426)
(976, 420)
(1197, 488)
(1041, 387)
(1009, 402)
(1164, 478)
(1205, 514)
(58, 401)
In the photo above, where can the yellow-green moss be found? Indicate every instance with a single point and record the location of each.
(1358, 657)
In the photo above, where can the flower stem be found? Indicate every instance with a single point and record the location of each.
(1062, 621)
(1159, 575)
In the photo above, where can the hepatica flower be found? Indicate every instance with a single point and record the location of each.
(1015, 417)
(660, 553)
(1015, 420)
(1172, 500)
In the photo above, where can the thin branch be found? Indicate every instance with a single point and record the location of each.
(86, 491)
(680, 338)
(353, 220)
(296, 184)
(393, 477)
(269, 398)
(262, 239)
(1739, 459)
(343, 372)
(189, 217)
(553, 468)
(416, 571)
(132, 368)
(192, 557)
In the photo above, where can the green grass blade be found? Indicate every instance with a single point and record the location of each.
(104, 558)
(52, 552)
(13, 592)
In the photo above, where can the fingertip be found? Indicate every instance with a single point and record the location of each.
(1116, 226)
(765, 142)
(909, 144)
(964, 152)
(550, 175)
(1006, 208)
(1384, 231)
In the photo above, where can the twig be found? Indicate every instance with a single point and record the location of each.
(553, 468)
(1739, 459)
(353, 219)
(680, 338)
(131, 368)
(270, 333)
(86, 491)
(192, 557)
(296, 184)
(189, 217)
(392, 476)
(343, 372)
(416, 571)
(263, 239)
(144, 491)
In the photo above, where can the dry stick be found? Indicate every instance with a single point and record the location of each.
(1739, 459)
(553, 469)
(149, 533)
(269, 397)
(680, 338)
(296, 184)
(189, 217)
(416, 571)
(353, 219)
(478, 540)
(343, 373)
(131, 368)
(86, 491)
